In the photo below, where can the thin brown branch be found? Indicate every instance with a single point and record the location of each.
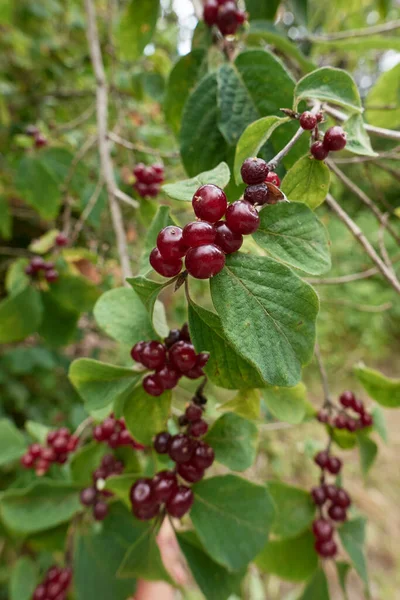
(389, 134)
(382, 246)
(344, 278)
(139, 148)
(392, 155)
(356, 33)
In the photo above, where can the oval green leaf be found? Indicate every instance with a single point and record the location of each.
(286, 403)
(146, 415)
(291, 559)
(307, 181)
(234, 441)
(382, 389)
(329, 85)
(184, 190)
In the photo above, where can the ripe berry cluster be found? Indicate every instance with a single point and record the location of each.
(224, 14)
(345, 419)
(170, 360)
(335, 139)
(204, 242)
(39, 139)
(332, 502)
(55, 584)
(60, 443)
(92, 496)
(114, 433)
(257, 175)
(148, 179)
(38, 264)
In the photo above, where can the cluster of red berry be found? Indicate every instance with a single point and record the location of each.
(171, 360)
(224, 14)
(39, 139)
(92, 496)
(55, 584)
(148, 179)
(204, 242)
(114, 433)
(38, 264)
(346, 420)
(60, 443)
(257, 175)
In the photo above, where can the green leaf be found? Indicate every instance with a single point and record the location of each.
(225, 367)
(368, 452)
(85, 461)
(352, 536)
(358, 140)
(268, 313)
(58, 326)
(202, 145)
(286, 403)
(344, 439)
(290, 232)
(100, 384)
(148, 291)
(45, 243)
(329, 85)
(74, 293)
(146, 415)
(307, 181)
(184, 190)
(20, 315)
(38, 186)
(252, 139)
(214, 581)
(380, 423)
(234, 441)
(317, 587)
(42, 505)
(385, 92)
(12, 442)
(162, 219)
(37, 431)
(136, 28)
(291, 559)
(16, 278)
(50, 540)
(121, 315)
(5, 218)
(246, 404)
(98, 553)
(262, 10)
(294, 508)
(383, 390)
(343, 569)
(182, 79)
(143, 557)
(232, 518)
(23, 579)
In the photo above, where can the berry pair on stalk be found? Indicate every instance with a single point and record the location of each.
(115, 434)
(352, 417)
(224, 14)
(60, 443)
(38, 265)
(55, 584)
(257, 175)
(148, 179)
(170, 361)
(94, 495)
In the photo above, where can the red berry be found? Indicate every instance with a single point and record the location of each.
(137, 351)
(147, 512)
(72, 443)
(35, 450)
(163, 267)
(152, 385)
(340, 422)
(164, 485)
(99, 474)
(170, 243)
(202, 359)
(180, 502)
(321, 459)
(226, 239)
(326, 549)
(318, 495)
(62, 458)
(31, 130)
(153, 355)
(193, 412)
(173, 337)
(335, 138)
(181, 448)
(51, 436)
(342, 498)
(254, 170)
(51, 276)
(113, 440)
(182, 356)
(357, 406)
(346, 399)
(307, 120)
(60, 444)
(240, 17)
(272, 177)
(203, 456)
(100, 510)
(27, 460)
(257, 194)
(367, 420)
(142, 494)
(108, 427)
(98, 434)
(209, 203)
(322, 529)
(319, 151)
(320, 117)
(322, 416)
(184, 333)
(40, 140)
(198, 233)
(242, 217)
(334, 465)
(168, 377)
(198, 428)
(190, 472)
(37, 264)
(194, 373)
(54, 590)
(227, 18)
(65, 578)
(41, 467)
(210, 12)
(108, 461)
(205, 261)
(161, 442)
(61, 240)
(158, 172)
(337, 513)
(48, 454)
(351, 425)
(138, 171)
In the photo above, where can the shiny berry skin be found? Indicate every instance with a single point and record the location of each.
(357, 406)
(60, 444)
(322, 529)
(169, 243)
(337, 513)
(330, 491)
(351, 425)
(320, 117)
(227, 18)
(152, 385)
(100, 510)
(194, 373)
(240, 17)
(321, 459)
(65, 578)
(307, 120)
(164, 485)
(326, 549)
(367, 420)
(334, 465)
(242, 217)
(226, 239)
(108, 427)
(342, 498)
(161, 442)
(182, 356)
(340, 422)
(209, 203)
(37, 264)
(180, 502)
(184, 333)
(88, 496)
(153, 355)
(142, 494)
(190, 472)
(137, 350)
(40, 593)
(193, 412)
(198, 428)
(173, 337)
(51, 276)
(319, 151)
(198, 233)
(163, 267)
(181, 448)
(346, 399)
(202, 359)
(168, 377)
(257, 194)
(210, 12)
(335, 138)
(203, 456)
(205, 261)
(27, 460)
(254, 170)
(322, 416)
(272, 177)
(318, 495)
(40, 140)
(146, 513)
(53, 590)
(61, 240)
(35, 450)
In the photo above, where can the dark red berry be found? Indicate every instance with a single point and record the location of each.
(342, 498)
(40, 140)
(194, 373)
(227, 18)
(31, 130)
(367, 420)
(209, 203)
(337, 513)
(170, 243)
(182, 356)
(242, 217)
(307, 120)
(198, 233)
(320, 117)
(326, 549)
(108, 427)
(205, 261)
(226, 239)
(72, 443)
(202, 359)
(335, 138)
(193, 412)
(164, 485)
(161, 442)
(62, 458)
(60, 444)
(198, 428)
(152, 385)
(322, 529)
(334, 465)
(65, 578)
(158, 172)
(319, 151)
(51, 276)
(137, 351)
(318, 495)
(37, 264)
(168, 377)
(35, 450)
(340, 422)
(61, 240)
(351, 425)
(172, 338)
(108, 461)
(98, 434)
(346, 399)
(27, 460)
(322, 416)
(254, 170)
(53, 591)
(142, 494)
(153, 355)
(29, 270)
(40, 593)
(184, 333)
(182, 421)
(88, 496)
(321, 459)
(257, 194)
(210, 12)
(181, 448)
(180, 502)
(163, 267)
(272, 177)
(51, 436)
(100, 510)
(203, 456)
(190, 472)
(146, 513)
(357, 406)
(240, 17)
